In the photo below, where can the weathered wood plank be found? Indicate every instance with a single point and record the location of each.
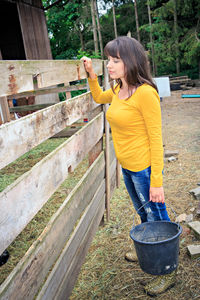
(71, 277)
(113, 176)
(29, 107)
(107, 168)
(20, 136)
(107, 152)
(4, 110)
(118, 174)
(96, 150)
(65, 262)
(112, 151)
(17, 76)
(67, 132)
(93, 113)
(23, 199)
(51, 90)
(26, 279)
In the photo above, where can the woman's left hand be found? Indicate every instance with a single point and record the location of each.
(156, 194)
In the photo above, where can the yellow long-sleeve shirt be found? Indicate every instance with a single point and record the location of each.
(136, 128)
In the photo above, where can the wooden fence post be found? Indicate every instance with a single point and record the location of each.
(118, 174)
(107, 146)
(4, 110)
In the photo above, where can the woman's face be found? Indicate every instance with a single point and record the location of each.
(116, 68)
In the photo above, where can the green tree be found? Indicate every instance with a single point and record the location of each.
(170, 43)
(69, 26)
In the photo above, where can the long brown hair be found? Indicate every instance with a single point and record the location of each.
(134, 58)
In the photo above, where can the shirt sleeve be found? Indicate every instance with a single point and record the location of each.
(151, 111)
(98, 95)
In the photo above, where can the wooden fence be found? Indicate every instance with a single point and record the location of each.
(50, 267)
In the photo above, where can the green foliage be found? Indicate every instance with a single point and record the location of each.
(71, 37)
(62, 96)
(77, 93)
(191, 44)
(66, 23)
(90, 54)
(165, 38)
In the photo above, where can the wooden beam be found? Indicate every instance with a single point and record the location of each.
(29, 107)
(20, 201)
(112, 176)
(118, 174)
(52, 90)
(107, 154)
(25, 133)
(70, 277)
(67, 132)
(107, 150)
(4, 110)
(18, 76)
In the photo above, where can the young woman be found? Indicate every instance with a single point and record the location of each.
(135, 119)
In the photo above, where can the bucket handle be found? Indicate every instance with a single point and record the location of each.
(151, 201)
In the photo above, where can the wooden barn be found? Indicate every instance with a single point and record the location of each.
(24, 36)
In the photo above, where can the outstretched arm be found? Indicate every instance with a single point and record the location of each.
(98, 95)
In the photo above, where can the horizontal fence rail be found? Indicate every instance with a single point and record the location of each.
(20, 136)
(22, 76)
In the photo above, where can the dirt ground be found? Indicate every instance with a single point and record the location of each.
(105, 273)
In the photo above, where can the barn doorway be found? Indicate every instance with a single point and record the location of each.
(11, 42)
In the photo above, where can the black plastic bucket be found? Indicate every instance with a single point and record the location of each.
(157, 246)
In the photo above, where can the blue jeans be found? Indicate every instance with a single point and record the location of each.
(138, 185)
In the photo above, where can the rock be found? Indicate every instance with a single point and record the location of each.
(172, 158)
(189, 218)
(198, 209)
(194, 251)
(181, 218)
(196, 193)
(192, 209)
(168, 153)
(195, 226)
(184, 218)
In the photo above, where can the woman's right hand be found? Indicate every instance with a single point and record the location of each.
(88, 66)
